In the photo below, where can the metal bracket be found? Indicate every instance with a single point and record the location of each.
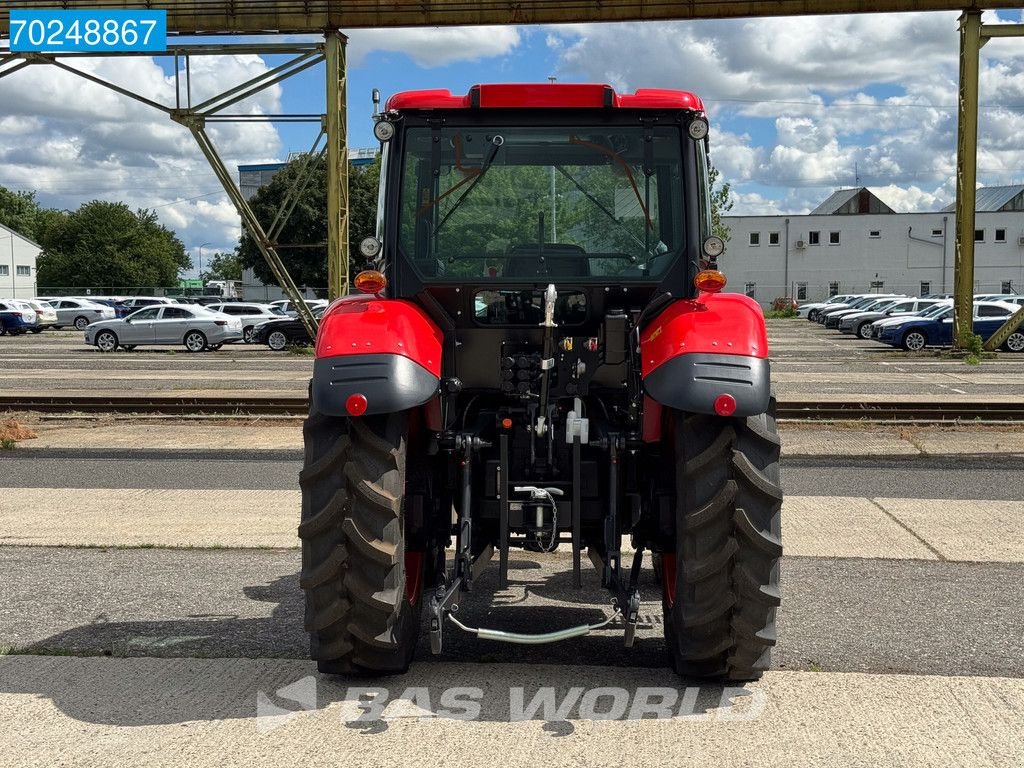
(540, 638)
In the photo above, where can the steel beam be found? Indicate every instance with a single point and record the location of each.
(966, 177)
(997, 339)
(336, 125)
(313, 16)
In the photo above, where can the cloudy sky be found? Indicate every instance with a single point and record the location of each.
(799, 107)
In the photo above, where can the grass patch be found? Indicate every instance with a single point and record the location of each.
(780, 314)
(301, 351)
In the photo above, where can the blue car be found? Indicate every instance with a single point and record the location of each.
(916, 333)
(16, 317)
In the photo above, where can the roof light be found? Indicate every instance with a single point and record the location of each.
(384, 130)
(370, 281)
(369, 247)
(698, 128)
(714, 247)
(710, 281)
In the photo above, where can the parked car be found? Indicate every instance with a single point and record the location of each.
(861, 303)
(833, 319)
(138, 302)
(79, 312)
(197, 328)
(46, 315)
(288, 307)
(284, 332)
(859, 323)
(807, 309)
(916, 333)
(877, 326)
(16, 317)
(250, 314)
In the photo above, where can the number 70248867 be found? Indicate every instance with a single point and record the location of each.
(56, 31)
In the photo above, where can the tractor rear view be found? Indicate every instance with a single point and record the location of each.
(541, 357)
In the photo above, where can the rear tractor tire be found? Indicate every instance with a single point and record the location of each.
(720, 588)
(363, 587)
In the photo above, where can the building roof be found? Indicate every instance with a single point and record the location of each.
(852, 201)
(20, 236)
(1010, 198)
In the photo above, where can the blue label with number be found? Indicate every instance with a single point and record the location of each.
(98, 31)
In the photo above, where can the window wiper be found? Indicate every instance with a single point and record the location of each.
(497, 141)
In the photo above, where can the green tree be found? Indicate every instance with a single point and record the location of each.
(306, 228)
(223, 266)
(721, 203)
(105, 243)
(19, 211)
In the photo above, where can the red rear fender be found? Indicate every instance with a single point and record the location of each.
(709, 355)
(375, 355)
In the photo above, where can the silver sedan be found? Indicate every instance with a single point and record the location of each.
(197, 328)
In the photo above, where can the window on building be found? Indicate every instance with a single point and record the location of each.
(24, 271)
(979, 235)
(833, 238)
(877, 285)
(936, 233)
(1007, 286)
(750, 289)
(875, 233)
(1000, 235)
(801, 291)
(814, 238)
(5, 271)
(773, 238)
(926, 287)
(755, 238)
(833, 288)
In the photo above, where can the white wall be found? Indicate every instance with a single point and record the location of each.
(900, 260)
(16, 251)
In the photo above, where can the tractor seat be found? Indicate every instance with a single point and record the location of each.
(559, 261)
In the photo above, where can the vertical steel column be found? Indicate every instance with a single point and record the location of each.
(336, 125)
(966, 176)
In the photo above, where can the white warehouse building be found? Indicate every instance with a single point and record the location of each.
(18, 257)
(855, 243)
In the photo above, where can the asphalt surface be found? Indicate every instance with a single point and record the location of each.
(988, 477)
(855, 615)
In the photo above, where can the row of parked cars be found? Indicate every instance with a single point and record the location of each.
(109, 322)
(914, 323)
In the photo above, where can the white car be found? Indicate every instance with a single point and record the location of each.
(79, 312)
(249, 313)
(805, 310)
(46, 315)
(286, 305)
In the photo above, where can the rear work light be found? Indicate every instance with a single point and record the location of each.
(710, 281)
(370, 281)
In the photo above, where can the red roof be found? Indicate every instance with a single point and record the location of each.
(546, 95)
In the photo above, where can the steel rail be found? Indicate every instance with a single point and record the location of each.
(847, 410)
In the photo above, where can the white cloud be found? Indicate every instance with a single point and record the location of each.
(433, 46)
(822, 102)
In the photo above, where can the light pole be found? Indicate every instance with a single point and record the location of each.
(201, 259)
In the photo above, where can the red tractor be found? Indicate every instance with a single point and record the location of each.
(541, 356)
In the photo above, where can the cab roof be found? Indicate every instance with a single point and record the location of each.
(546, 96)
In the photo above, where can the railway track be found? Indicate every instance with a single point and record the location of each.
(919, 411)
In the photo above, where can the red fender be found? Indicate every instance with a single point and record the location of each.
(707, 355)
(375, 355)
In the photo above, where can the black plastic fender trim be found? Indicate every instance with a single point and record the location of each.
(389, 383)
(691, 382)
